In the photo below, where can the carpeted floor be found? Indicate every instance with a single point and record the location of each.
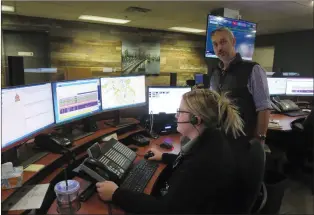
(298, 198)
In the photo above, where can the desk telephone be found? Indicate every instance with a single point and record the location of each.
(141, 140)
(282, 106)
(52, 142)
(110, 162)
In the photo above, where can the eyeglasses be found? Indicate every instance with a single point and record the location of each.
(181, 111)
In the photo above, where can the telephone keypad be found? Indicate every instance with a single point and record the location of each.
(123, 150)
(111, 166)
(116, 157)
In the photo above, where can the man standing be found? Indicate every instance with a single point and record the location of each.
(246, 81)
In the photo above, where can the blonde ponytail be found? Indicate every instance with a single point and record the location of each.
(215, 110)
(228, 116)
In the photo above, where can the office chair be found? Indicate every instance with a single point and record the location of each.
(260, 201)
(301, 153)
(251, 193)
(257, 197)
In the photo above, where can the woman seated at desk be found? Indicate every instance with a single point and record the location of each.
(201, 177)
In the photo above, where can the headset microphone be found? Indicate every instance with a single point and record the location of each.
(193, 120)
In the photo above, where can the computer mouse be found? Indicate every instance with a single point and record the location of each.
(149, 154)
(166, 145)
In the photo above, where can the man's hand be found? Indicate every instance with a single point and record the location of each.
(106, 189)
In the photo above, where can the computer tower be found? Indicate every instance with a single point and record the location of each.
(190, 82)
(165, 124)
(15, 71)
(173, 79)
(206, 81)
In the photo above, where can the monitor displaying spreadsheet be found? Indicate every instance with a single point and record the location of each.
(76, 99)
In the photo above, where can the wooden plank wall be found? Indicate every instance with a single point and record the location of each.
(95, 46)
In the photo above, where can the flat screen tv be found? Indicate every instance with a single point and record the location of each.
(244, 33)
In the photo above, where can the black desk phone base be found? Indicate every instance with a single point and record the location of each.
(52, 142)
(109, 162)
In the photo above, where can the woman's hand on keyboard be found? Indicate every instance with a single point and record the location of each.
(157, 154)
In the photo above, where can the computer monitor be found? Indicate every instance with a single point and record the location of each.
(277, 86)
(25, 111)
(76, 99)
(198, 78)
(122, 92)
(165, 99)
(299, 87)
(243, 31)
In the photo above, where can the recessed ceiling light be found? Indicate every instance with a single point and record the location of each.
(184, 29)
(7, 8)
(103, 19)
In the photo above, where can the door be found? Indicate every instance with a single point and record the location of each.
(34, 47)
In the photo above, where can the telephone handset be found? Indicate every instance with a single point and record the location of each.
(283, 105)
(108, 163)
(52, 143)
(92, 166)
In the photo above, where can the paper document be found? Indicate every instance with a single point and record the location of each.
(274, 124)
(34, 167)
(107, 138)
(33, 199)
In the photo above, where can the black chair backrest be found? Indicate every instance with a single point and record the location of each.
(308, 122)
(306, 126)
(256, 169)
(250, 160)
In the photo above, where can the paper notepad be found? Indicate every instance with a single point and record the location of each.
(34, 167)
(33, 199)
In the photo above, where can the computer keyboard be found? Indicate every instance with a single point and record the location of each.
(296, 113)
(74, 137)
(33, 159)
(139, 176)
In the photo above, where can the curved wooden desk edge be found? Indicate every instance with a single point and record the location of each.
(47, 160)
(284, 121)
(96, 206)
(52, 158)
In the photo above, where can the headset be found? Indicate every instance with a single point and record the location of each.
(193, 120)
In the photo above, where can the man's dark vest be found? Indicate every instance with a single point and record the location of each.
(235, 81)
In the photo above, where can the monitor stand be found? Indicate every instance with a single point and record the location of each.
(76, 133)
(119, 122)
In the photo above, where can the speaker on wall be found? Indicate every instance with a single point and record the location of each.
(15, 71)
(173, 79)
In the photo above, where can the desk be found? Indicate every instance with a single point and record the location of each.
(284, 121)
(96, 206)
(54, 163)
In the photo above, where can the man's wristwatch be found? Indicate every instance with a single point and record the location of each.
(262, 137)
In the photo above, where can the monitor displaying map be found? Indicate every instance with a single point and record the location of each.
(122, 92)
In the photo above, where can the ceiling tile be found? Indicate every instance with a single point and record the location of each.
(270, 15)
